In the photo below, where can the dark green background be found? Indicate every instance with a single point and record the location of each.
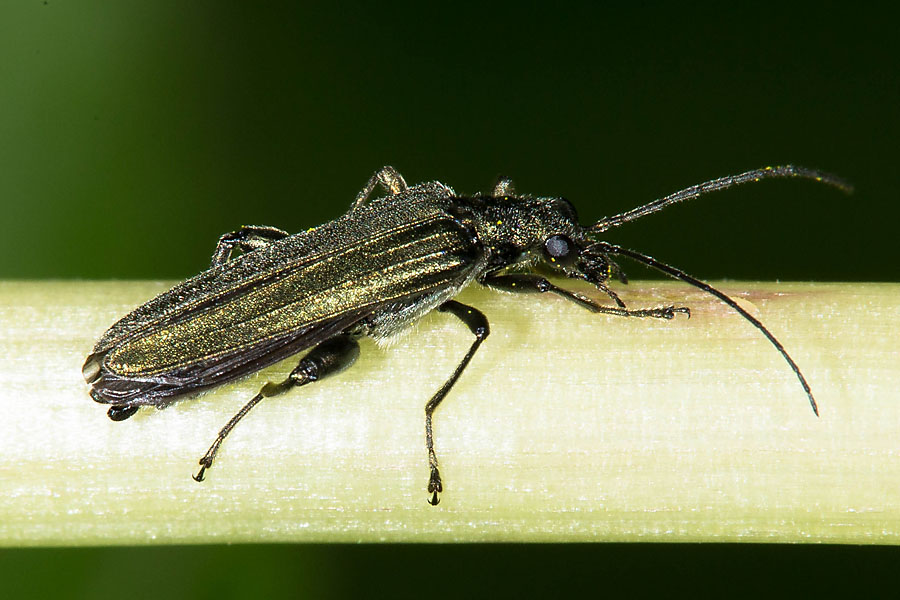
(132, 134)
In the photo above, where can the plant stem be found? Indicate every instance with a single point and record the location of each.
(567, 426)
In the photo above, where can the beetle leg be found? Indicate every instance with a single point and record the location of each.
(503, 187)
(390, 180)
(528, 283)
(121, 412)
(478, 325)
(328, 358)
(247, 238)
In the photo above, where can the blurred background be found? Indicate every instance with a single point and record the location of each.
(133, 134)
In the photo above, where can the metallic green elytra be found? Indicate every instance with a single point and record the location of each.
(378, 268)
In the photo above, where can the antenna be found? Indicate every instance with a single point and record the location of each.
(723, 183)
(679, 274)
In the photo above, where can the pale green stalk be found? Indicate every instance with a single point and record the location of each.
(567, 426)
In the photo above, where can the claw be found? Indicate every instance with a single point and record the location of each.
(671, 310)
(435, 486)
(201, 473)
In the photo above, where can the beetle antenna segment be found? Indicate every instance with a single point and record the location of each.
(679, 274)
(722, 183)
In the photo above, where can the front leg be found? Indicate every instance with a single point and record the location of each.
(247, 238)
(528, 283)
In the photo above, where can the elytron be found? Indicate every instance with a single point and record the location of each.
(372, 272)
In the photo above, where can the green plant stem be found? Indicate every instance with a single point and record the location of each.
(567, 426)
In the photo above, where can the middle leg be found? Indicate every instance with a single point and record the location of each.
(391, 180)
(248, 238)
(478, 325)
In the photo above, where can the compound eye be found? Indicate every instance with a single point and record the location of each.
(559, 250)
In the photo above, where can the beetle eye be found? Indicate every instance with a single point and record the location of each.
(558, 249)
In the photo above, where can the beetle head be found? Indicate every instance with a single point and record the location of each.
(578, 256)
(523, 231)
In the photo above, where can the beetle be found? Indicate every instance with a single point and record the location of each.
(372, 272)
